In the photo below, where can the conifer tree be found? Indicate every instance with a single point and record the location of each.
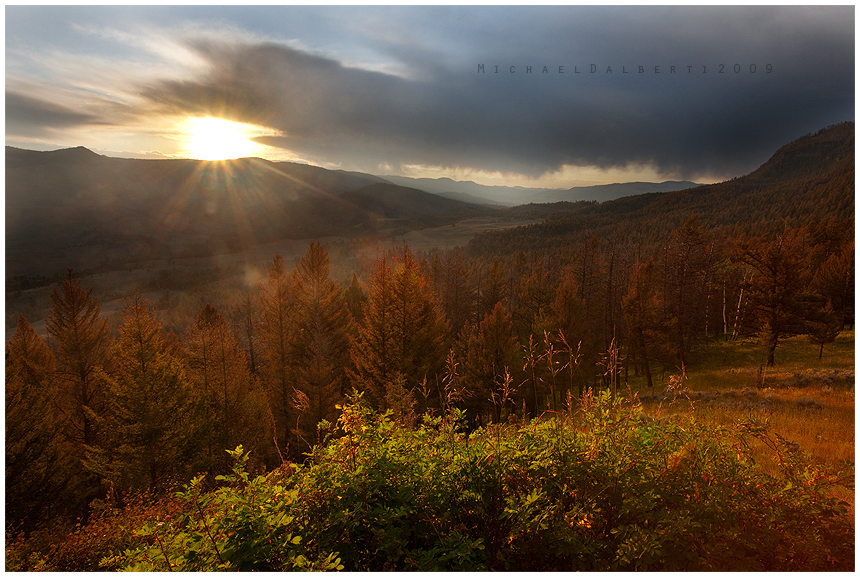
(355, 299)
(233, 406)
(151, 417)
(453, 290)
(35, 467)
(493, 289)
(779, 291)
(277, 334)
(487, 353)
(245, 313)
(321, 349)
(686, 263)
(834, 282)
(536, 292)
(567, 313)
(82, 341)
(646, 324)
(403, 333)
(824, 327)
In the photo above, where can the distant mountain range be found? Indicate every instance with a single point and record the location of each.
(75, 208)
(468, 191)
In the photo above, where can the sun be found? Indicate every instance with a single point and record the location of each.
(218, 139)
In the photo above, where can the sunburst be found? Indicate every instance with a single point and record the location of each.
(211, 138)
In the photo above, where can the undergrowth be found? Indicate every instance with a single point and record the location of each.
(602, 488)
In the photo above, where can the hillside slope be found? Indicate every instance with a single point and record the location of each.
(99, 211)
(807, 179)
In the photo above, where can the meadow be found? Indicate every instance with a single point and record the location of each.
(805, 400)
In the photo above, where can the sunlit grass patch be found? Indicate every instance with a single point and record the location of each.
(805, 400)
(723, 365)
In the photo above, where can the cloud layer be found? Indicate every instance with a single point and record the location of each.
(403, 86)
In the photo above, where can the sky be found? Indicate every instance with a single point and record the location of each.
(550, 96)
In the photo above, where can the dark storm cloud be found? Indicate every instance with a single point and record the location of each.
(28, 116)
(692, 122)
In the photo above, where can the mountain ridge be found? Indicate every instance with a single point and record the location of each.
(127, 210)
(518, 195)
(808, 179)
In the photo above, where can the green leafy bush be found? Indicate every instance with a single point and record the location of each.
(603, 489)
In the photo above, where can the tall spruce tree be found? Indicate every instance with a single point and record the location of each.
(567, 313)
(779, 291)
(403, 333)
(646, 325)
(493, 289)
(356, 298)
(151, 419)
(453, 289)
(277, 335)
(35, 467)
(688, 258)
(82, 349)
(488, 352)
(234, 408)
(321, 350)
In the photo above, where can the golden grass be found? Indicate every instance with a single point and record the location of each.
(805, 400)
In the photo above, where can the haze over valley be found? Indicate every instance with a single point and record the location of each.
(173, 225)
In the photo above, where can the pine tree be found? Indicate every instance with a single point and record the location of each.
(403, 333)
(234, 408)
(245, 313)
(687, 262)
(151, 419)
(35, 463)
(779, 289)
(277, 334)
(487, 353)
(567, 313)
(321, 351)
(453, 290)
(493, 289)
(82, 341)
(834, 282)
(824, 327)
(355, 299)
(646, 325)
(536, 292)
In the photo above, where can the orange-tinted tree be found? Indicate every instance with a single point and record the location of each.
(35, 467)
(277, 332)
(453, 289)
(688, 258)
(834, 283)
(646, 325)
(488, 351)
(233, 405)
(568, 313)
(151, 420)
(778, 291)
(403, 334)
(493, 289)
(355, 299)
(82, 349)
(321, 349)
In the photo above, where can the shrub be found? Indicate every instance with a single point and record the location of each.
(110, 530)
(603, 489)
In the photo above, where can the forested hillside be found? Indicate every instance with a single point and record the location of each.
(809, 179)
(522, 324)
